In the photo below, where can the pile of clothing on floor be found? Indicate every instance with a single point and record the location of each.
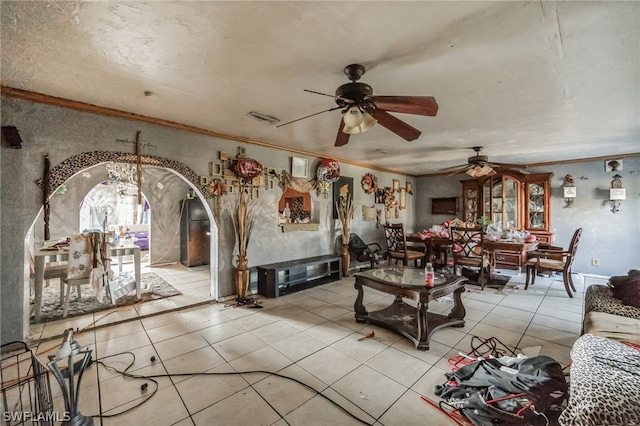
(505, 390)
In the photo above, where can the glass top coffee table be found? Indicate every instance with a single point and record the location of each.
(414, 322)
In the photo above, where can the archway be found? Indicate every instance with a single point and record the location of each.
(163, 180)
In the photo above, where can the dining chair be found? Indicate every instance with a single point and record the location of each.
(397, 246)
(363, 252)
(467, 247)
(85, 266)
(554, 259)
(52, 270)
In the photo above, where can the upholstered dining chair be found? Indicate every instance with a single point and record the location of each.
(554, 259)
(397, 246)
(467, 247)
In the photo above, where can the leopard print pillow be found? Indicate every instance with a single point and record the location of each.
(603, 385)
(627, 288)
(600, 298)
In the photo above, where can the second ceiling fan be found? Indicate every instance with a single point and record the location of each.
(479, 166)
(361, 109)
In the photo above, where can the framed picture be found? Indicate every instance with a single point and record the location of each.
(444, 205)
(613, 165)
(205, 180)
(403, 198)
(271, 184)
(396, 185)
(217, 168)
(342, 188)
(299, 167)
(242, 152)
(255, 193)
(223, 155)
(258, 181)
(229, 175)
(408, 187)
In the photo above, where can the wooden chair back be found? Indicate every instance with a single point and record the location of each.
(395, 237)
(467, 242)
(573, 247)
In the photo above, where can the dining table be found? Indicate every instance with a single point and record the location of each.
(515, 248)
(45, 254)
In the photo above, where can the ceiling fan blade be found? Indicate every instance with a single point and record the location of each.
(342, 138)
(508, 165)
(348, 101)
(302, 118)
(458, 167)
(455, 172)
(421, 105)
(318, 93)
(397, 126)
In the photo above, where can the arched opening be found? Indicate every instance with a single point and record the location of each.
(164, 188)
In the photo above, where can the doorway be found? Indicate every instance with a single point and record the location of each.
(163, 189)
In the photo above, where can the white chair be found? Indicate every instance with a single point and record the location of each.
(86, 265)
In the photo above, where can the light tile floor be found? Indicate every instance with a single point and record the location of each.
(309, 336)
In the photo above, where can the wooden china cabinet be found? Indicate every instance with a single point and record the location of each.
(514, 200)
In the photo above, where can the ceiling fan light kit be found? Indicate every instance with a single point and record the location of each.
(357, 122)
(480, 171)
(353, 117)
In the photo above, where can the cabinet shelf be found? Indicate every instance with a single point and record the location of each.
(281, 278)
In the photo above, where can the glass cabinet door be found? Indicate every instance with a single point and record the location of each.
(536, 206)
(500, 197)
(510, 204)
(471, 206)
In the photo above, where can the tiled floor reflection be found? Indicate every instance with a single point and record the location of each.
(309, 336)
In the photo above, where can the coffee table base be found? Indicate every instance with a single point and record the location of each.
(415, 323)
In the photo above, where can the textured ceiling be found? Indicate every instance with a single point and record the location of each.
(532, 82)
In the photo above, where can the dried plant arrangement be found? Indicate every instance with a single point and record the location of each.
(242, 220)
(346, 211)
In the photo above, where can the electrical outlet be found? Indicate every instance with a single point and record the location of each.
(595, 261)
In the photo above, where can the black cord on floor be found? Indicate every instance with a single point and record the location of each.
(152, 378)
(125, 374)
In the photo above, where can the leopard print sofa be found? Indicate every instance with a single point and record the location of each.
(599, 298)
(604, 387)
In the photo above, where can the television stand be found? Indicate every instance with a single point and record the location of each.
(278, 279)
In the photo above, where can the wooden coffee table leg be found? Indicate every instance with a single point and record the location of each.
(458, 311)
(358, 307)
(422, 333)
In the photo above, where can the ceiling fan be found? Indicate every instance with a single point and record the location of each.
(361, 109)
(479, 166)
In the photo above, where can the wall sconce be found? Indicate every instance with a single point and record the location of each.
(616, 193)
(569, 191)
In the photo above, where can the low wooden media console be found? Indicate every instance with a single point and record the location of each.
(287, 277)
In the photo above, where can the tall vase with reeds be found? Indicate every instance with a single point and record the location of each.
(345, 209)
(242, 219)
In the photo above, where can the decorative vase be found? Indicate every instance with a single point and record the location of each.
(242, 277)
(345, 260)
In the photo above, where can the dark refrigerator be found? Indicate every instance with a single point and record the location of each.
(194, 233)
